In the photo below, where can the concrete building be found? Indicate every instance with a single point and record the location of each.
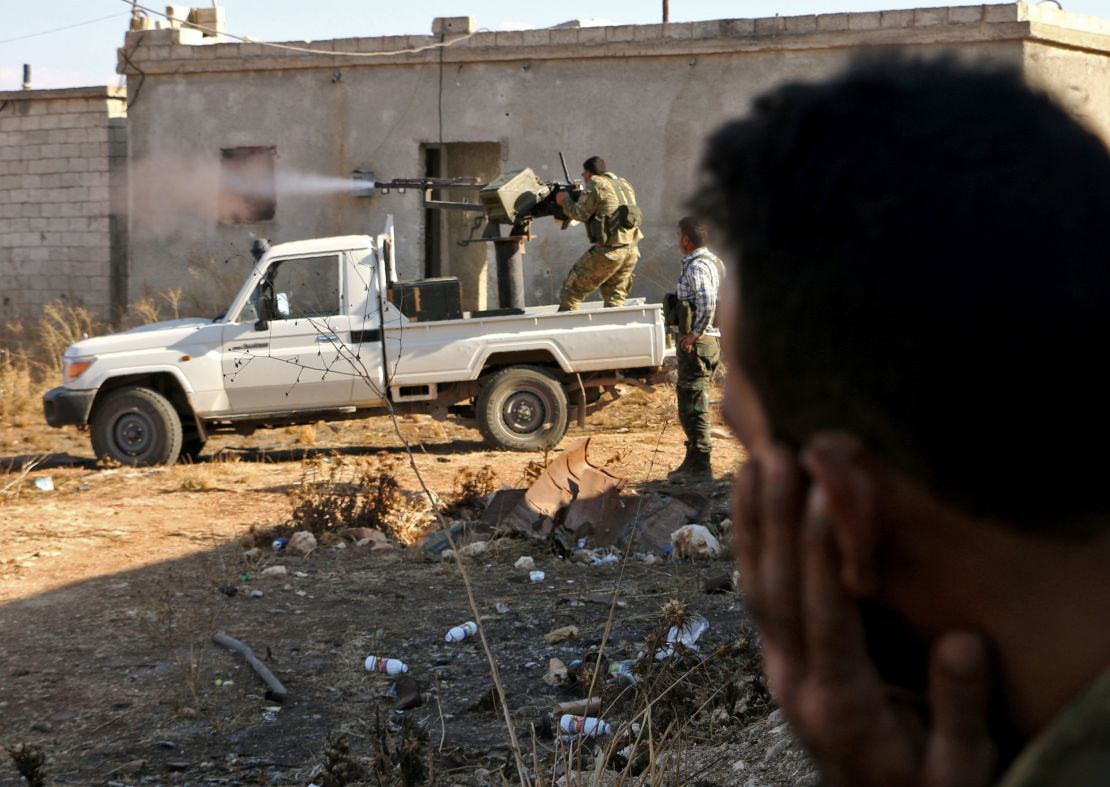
(63, 156)
(206, 113)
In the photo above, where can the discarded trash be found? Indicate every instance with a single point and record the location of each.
(254, 554)
(387, 666)
(582, 707)
(687, 636)
(437, 541)
(245, 576)
(501, 607)
(229, 590)
(556, 673)
(279, 544)
(275, 571)
(584, 725)
(621, 672)
(524, 561)
(694, 542)
(44, 484)
(302, 542)
(561, 635)
(459, 633)
(536, 576)
(472, 550)
(608, 560)
(257, 594)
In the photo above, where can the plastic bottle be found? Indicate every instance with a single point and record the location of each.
(280, 544)
(459, 633)
(536, 576)
(386, 666)
(584, 725)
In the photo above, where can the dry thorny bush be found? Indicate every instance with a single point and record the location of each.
(472, 488)
(30, 762)
(336, 493)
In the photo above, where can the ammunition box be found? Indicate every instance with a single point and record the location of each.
(512, 194)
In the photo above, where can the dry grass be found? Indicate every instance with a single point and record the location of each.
(31, 352)
(19, 388)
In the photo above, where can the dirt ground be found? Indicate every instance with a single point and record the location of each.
(110, 593)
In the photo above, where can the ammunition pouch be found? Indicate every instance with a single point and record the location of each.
(678, 314)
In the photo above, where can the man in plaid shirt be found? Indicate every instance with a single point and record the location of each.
(699, 349)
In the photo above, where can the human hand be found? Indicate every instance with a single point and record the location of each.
(688, 341)
(816, 659)
(560, 197)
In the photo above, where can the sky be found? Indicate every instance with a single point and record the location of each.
(85, 54)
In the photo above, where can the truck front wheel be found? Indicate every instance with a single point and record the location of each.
(136, 426)
(522, 408)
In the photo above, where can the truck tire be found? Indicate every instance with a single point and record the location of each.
(136, 426)
(522, 408)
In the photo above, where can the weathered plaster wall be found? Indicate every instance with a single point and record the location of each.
(644, 97)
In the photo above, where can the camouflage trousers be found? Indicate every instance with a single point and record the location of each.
(606, 268)
(695, 373)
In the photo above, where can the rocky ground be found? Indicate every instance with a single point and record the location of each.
(114, 581)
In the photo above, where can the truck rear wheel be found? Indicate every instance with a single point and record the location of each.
(522, 408)
(136, 426)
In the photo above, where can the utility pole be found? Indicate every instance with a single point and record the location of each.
(666, 11)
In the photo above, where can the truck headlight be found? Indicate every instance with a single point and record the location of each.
(75, 367)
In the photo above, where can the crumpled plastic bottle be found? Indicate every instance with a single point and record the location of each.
(386, 666)
(459, 633)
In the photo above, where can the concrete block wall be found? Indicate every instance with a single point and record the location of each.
(62, 158)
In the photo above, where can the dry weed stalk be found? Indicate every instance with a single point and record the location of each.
(336, 494)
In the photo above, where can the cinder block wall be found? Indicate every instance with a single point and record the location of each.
(63, 157)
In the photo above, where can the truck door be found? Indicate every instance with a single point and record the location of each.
(286, 349)
(366, 288)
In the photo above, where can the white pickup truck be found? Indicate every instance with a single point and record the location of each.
(319, 332)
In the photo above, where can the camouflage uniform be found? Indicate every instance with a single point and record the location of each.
(1074, 751)
(695, 373)
(607, 265)
(692, 309)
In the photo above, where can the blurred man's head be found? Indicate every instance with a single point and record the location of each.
(924, 263)
(920, 307)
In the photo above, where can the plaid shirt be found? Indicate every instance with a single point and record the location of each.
(698, 284)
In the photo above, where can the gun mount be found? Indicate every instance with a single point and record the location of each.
(514, 200)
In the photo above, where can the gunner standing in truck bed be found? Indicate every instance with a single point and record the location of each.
(608, 209)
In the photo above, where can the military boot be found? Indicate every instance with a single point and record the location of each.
(700, 469)
(679, 473)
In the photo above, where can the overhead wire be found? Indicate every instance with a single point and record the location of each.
(308, 50)
(60, 29)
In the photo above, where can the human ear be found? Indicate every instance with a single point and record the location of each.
(843, 493)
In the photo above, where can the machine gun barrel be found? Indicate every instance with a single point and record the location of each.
(430, 185)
